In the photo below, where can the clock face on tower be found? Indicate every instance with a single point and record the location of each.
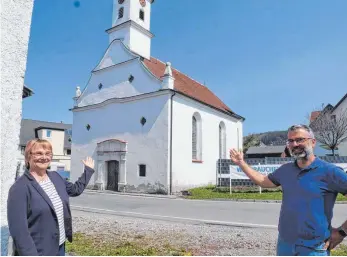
(143, 3)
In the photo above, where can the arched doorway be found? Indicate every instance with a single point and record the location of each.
(111, 167)
(112, 175)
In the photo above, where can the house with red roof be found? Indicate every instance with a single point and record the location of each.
(149, 127)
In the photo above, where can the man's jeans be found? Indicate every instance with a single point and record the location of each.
(288, 249)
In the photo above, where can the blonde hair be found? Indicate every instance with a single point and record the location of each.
(34, 142)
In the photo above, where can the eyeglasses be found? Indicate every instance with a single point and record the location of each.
(40, 155)
(298, 140)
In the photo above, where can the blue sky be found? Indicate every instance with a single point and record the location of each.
(270, 61)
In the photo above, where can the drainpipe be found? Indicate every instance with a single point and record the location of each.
(125, 166)
(171, 112)
(168, 83)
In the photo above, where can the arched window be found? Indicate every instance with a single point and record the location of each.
(196, 137)
(120, 12)
(222, 140)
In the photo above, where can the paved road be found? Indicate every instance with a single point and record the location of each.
(191, 211)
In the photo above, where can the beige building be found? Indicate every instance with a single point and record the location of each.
(59, 134)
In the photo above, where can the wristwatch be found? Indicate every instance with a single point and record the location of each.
(342, 232)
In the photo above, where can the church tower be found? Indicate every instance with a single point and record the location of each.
(131, 24)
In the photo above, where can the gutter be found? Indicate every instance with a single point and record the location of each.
(171, 119)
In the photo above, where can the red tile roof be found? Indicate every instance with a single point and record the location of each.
(186, 85)
(314, 115)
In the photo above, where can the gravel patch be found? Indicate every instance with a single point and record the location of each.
(199, 239)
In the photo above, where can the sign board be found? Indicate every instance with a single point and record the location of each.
(237, 173)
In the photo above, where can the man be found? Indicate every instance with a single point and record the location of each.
(286, 153)
(310, 187)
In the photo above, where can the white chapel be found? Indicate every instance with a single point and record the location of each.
(149, 127)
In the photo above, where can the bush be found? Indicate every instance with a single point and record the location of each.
(245, 189)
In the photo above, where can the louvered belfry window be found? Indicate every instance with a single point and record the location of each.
(120, 12)
(142, 15)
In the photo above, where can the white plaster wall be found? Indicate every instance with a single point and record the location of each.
(135, 7)
(187, 174)
(338, 111)
(126, 14)
(115, 53)
(15, 29)
(140, 43)
(135, 39)
(120, 33)
(131, 11)
(146, 145)
(116, 85)
(239, 144)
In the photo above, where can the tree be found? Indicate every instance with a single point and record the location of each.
(274, 138)
(250, 140)
(330, 128)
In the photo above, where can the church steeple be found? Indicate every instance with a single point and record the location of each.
(131, 23)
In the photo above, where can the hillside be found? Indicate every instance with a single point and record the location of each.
(267, 138)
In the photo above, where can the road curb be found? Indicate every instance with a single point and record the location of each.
(237, 200)
(131, 194)
(248, 200)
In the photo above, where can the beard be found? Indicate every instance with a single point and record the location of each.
(301, 153)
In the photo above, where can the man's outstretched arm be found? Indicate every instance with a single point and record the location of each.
(255, 176)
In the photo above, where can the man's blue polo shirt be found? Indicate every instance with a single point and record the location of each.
(309, 196)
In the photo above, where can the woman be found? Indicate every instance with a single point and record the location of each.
(39, 216)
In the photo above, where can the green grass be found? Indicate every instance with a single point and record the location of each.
(86, 245)
(99, 246)
(211, 192)
(340, 250)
